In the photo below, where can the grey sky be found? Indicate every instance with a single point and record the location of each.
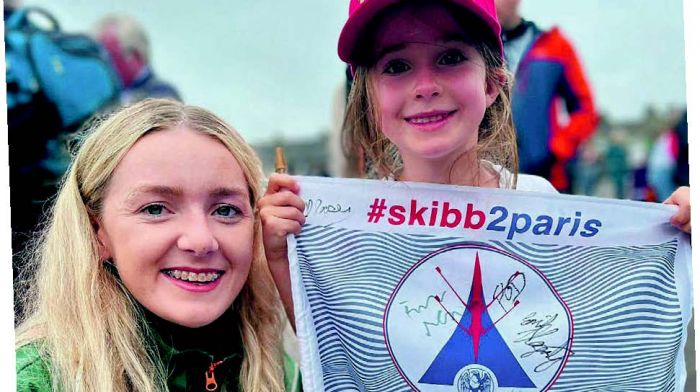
(270, 68)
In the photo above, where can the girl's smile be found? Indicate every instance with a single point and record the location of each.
(429, 121)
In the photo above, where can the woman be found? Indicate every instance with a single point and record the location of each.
(150, 273)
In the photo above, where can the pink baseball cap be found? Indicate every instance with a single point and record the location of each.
(361, 13)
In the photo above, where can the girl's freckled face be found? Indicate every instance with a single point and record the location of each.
(429, 83)
(178, 225)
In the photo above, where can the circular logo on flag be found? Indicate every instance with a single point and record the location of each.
(473, 317)
(476, 378)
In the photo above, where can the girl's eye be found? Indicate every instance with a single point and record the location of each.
(227, 211)
(452, 57)
(154, 209)
(395, 67)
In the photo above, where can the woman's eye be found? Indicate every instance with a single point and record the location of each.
(394, 67)
(452, 57)
(154, 209)
(227, 211)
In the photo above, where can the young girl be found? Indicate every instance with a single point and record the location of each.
(429, 103)
(150, 274)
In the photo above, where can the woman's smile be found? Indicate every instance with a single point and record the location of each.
(175, 213)
(194, 280)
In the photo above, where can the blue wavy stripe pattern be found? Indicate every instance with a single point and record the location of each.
(627, 317)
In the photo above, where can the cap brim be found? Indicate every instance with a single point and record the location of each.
(355, 26)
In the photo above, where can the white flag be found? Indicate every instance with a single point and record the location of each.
(404, 286)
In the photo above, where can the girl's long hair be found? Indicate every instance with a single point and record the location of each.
(87, 327)
(363, 139)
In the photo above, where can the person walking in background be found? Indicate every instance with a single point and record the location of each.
(681, 175)
(548, 74)
(616, 163)
(587, 170)
(55, 81)
(662, 164)
(129, 49)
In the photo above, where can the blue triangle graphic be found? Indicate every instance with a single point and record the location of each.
(493, 352)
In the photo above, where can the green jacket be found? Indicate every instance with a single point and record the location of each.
(188, 366)
(33, 373)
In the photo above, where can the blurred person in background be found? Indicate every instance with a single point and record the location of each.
(55, 81)
(616, 163)
(588, 170)
(30, 125)
(549, 80)
(681, 175)
(637, 157)
(662, 164)
(127, 43)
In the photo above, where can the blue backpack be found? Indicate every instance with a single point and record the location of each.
(72, 70)
(55, 82)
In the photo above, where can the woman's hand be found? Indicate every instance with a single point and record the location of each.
(681, 198)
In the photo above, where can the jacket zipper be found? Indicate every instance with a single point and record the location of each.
(210, 383)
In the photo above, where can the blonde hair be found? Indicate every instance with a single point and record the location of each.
(364, 141)
(85, 323)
